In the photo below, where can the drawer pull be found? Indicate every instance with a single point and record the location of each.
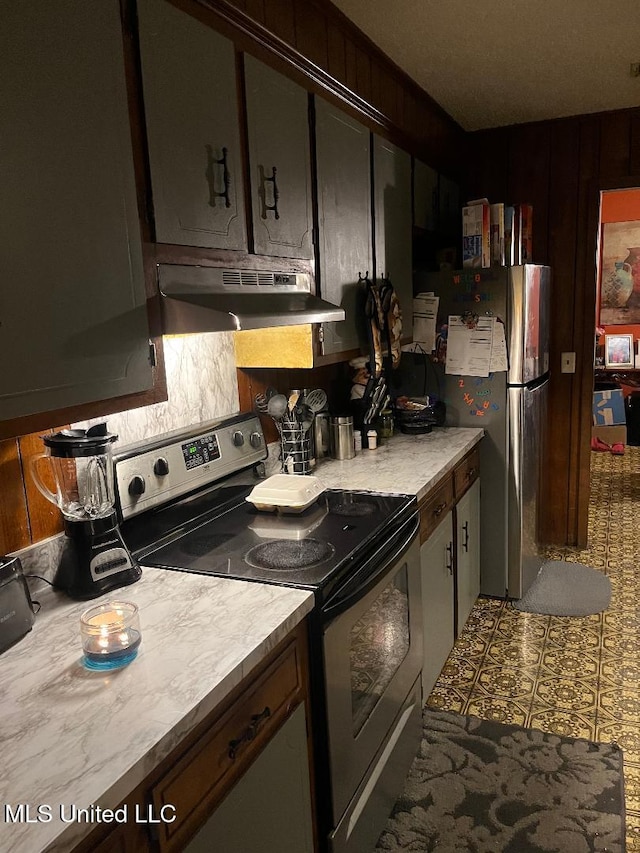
(249, 733)
(440, 509)
(471, 473)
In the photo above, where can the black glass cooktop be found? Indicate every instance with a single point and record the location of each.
(235, 540)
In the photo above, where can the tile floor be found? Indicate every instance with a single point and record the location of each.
(569, 675)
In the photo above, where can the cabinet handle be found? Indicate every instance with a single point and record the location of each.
(465, 543)
(226, 177)
(440, 509)
(263, 195)
(249, 733)
(450, 557)
(471, 473)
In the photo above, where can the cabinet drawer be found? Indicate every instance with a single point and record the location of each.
(466, 473)
(200, 779)
(435, 507)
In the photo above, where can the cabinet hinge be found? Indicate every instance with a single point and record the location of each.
(153, 355)
(321, 338)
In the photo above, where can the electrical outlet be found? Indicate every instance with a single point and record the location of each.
(568, 362)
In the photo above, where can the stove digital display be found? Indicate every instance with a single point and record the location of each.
(200, 451)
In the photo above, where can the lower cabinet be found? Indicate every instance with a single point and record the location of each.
(241, 782)
(467, 554)
(269, 809)
(450, 562)
(436, 560)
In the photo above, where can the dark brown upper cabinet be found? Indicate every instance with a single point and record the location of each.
(73, 317)
(193, 129)
(279, 161)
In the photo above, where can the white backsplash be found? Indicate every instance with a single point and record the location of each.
(201, 384)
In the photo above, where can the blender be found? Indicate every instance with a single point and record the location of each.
(95, 558)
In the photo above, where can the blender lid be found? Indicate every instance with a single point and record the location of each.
(80, 442)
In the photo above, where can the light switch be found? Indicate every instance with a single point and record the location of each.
(568, 362)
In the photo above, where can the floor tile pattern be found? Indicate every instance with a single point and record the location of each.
(577, 676)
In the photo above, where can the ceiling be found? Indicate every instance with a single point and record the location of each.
(503, 62)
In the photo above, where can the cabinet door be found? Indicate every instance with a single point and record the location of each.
(392, 208)
(280, 162)
(468, 553)
(436, 563)
(269, 809)
(191, 111)
(73, 320)
(344, 214)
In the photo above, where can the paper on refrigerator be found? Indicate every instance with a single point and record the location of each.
(425, 313)
(476, 350)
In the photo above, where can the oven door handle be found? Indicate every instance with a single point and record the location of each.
(342, 602)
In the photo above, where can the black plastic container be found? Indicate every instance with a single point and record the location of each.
(16, 607)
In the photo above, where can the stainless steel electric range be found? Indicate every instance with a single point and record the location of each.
(183, 508)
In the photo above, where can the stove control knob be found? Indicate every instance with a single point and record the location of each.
(238, 438)
(137, 486)
(255, 439)
(161, 467)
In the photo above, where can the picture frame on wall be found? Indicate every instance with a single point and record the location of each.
(619, 274)
(618, 351)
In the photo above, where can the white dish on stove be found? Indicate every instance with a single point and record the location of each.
(286, 492)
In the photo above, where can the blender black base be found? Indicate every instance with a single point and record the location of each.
(95, 560)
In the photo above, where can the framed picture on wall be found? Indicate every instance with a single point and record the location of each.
(618, 351)
(620, 274)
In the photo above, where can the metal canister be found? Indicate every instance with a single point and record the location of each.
(320, 435)
(342, 437)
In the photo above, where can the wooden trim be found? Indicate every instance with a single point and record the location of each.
(14, 520)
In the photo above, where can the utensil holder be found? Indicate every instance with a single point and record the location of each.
(295, 450)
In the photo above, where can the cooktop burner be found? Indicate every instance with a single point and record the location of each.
(233, 539)
(286, 554)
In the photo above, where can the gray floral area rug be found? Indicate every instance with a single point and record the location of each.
(483, 787)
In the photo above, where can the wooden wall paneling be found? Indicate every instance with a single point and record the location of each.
(14, 520)
(280, 19)
(615, 143)
(529, 153)
(377, 77)
(336, 50)
(351, 64)
(363, 74)
(311, 33)
(558, 485)
(634, 158)
(44, 518)
(486, 165)
(256, 10)
(587, 216)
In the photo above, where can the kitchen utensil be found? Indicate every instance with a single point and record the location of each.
(342, 438)
(260, 402)
(277, 406)
(95, 558)
(294, 396)
(316, 400)
(304, 416)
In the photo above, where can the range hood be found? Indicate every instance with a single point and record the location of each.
(214, 299)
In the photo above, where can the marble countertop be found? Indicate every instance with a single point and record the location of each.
(72, 737)
(406, 464)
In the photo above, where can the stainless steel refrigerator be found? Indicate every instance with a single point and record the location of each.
(511, 406)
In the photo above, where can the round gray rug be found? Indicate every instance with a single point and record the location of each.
(566, 589)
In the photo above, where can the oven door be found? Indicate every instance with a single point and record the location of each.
(372, 657)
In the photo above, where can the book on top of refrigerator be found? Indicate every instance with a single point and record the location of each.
(476, 235)
(497, 234)
(525, 218)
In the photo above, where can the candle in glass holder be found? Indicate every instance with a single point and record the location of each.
(110, 635)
